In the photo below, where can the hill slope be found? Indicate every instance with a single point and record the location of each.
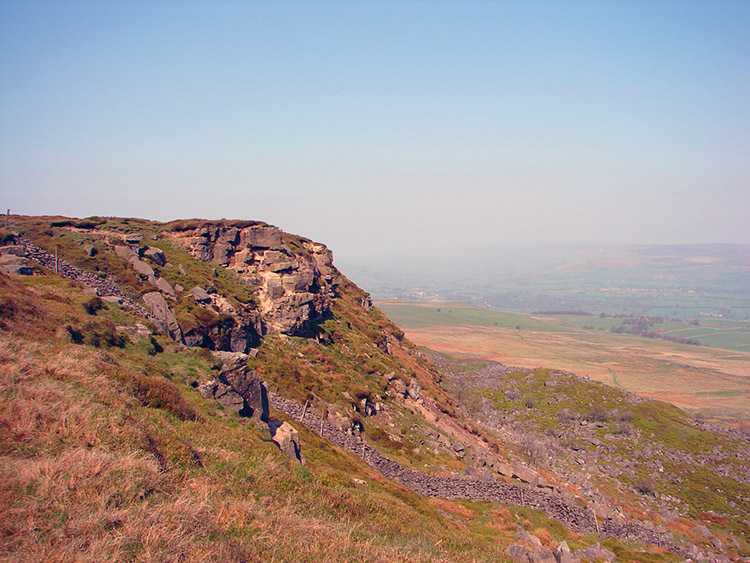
(131, 429)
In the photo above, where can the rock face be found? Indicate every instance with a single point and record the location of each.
(292, 281)
(238, 389)
(163, 316)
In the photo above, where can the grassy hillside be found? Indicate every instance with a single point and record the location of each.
(108, 454)
(108, 451)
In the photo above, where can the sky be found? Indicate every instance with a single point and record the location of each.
(385, 127)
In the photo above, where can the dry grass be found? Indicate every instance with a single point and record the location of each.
(89, 472)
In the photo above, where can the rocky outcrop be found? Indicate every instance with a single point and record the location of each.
(237, 388)
(162, 315)
(293, 282)
(287, 438)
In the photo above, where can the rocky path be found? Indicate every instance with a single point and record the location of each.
(552, 504)
(104, 285)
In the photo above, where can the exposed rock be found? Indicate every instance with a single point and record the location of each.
(200, 295)
(293, 284)
(236, 375)
(261, 236)
(595, 551)
(414, 389)
(12, 264)
(155, 255)
(526, 474)
(133, 239)
(287, 438)
(142, 269)
(163, 316)
(126, 253)
(529, 538)
(13, 250)
(182, 270)
(165, 287)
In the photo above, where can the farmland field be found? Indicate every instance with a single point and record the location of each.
(712, 381)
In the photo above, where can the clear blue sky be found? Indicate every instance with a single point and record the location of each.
(367, 125)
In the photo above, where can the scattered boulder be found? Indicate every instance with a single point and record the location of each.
(200, 295)
(162, 315)
(247, 384)
(526, 475)
(229, 398)
(414, 389)
(126, 253)
(89, 249)
(287, 438)
(133, 239)
(182, 270)
(12, 264)
(165, 287)
(527, 537)
(142, 269)
(155, 255)
(595, 551)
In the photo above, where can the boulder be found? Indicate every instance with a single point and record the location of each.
(125, 252)
(89, 249)
(541, 556)
(527, 537)
(182, 270)
(200, 295)
(525, 555)
(142, 269)
(595, 551)
(12, 264)
(563, 555)
(165, 287)
(13, 250)
(414, 389)
(287, 438)
(229, 398)
(155, 255)
(247, 384)
(133, 239)
(162, 315)
(526, 475)
(517, 552)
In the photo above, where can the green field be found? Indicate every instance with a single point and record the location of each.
(711, 378)
(411, 314)
(717, 333)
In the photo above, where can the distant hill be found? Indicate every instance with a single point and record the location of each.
(680, 281)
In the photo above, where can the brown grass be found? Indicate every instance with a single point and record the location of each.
(706, 377)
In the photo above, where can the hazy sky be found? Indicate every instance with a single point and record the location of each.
(370, 124)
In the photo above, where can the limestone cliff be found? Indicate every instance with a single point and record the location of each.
(292, 278)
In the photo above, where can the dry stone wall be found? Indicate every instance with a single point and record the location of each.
(553, 504)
